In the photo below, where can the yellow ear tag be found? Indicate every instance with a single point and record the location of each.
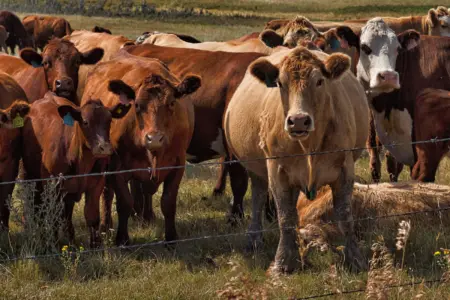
(18, 122)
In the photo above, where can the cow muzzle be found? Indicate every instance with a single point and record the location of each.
(102, 150)
(386, 81)
(64, 87)
(154, 141)
(299, 125)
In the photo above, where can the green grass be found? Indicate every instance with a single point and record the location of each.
(197, 270)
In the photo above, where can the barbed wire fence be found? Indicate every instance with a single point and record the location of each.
(61, 178)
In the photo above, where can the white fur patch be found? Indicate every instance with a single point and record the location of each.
(218, 145)
(396, 130)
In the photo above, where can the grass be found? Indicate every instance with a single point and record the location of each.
(198, 270)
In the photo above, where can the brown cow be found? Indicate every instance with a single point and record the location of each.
(295, 102)
(221, 73)
(155, 134)
(434, 23)
(45, 28)
(426, 66)
(183, 37)
(55, 69)
(86, 41)
(13, 108)
(61, 138)
(432, 121)
(99, 29)
(18, 36)
(3, 37)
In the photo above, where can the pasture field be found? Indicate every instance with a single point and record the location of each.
(221, 267)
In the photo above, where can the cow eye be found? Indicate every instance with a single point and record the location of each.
(319, 82)
(366, 49)
(46, 64)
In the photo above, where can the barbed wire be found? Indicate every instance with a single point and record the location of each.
(207, 237)
(149, 169)
(363, 290)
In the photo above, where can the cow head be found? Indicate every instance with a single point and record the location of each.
(438, 22)
(379, 48)
(19, 109)
(155, 104)
(93, 119)
(61, 61)
(290, 33)
(303, 80)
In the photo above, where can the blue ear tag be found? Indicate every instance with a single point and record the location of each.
(68, 120)
(36, 64)
(18, 122)
(335, 44)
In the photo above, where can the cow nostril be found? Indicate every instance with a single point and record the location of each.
(307, 122)
(290, 122)
(58, 83)
(381, 77)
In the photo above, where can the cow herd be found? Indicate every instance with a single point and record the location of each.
(91, 102)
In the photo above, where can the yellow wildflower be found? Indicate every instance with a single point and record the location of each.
(446, 251)
(340, 248)
(65, 248)
(437, 253)
(81, 248)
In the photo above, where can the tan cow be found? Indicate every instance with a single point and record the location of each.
(3, 37)
(296, 102)
(171, 40)
(86, 40)
(436, 22)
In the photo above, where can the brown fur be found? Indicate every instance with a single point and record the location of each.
(3, 37)
(45, 28)
(18, 36)
(431, 119)
(10, 142)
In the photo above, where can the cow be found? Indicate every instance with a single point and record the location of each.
(187, 38)
(244, 38)
(292, 103)
(13, 109)
(85, 41)
(221, 73)
(18, 36)
(99, 29)
(55, 69)
(425, 66)
(45, 28)
(61, 138)
(431, 121)
(434, 23)
(171, 40)
(156, 133)
(3, 37)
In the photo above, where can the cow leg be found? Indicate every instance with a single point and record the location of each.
(259, 195)
(287, 256)
(239, 184)
(428, 159)
(5, 191)
(373, 147)
(394, 168)
(108, 196)
(69, 202)
(221, 184)
(124, 208)
(169, 202)
(138, 196)
(92, 209)
(270, 209)
(342, 193)
(148, 214)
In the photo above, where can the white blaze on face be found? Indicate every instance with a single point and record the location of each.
(378, 55)
(445, 25)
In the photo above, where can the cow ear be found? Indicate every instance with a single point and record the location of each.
(123, 90)
(119, 110)
(13, 116)
(409, 39)
(347, 37)
(190, 84)
(69, 114)
(31, 57)
(20, 108)
(432, 19)
(336, 65)
(271, 38)
(92, 56)
(276, 24)
(265, 72)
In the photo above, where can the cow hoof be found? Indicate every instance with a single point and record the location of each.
(218, 192)
(278, 268)
(122, 240)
